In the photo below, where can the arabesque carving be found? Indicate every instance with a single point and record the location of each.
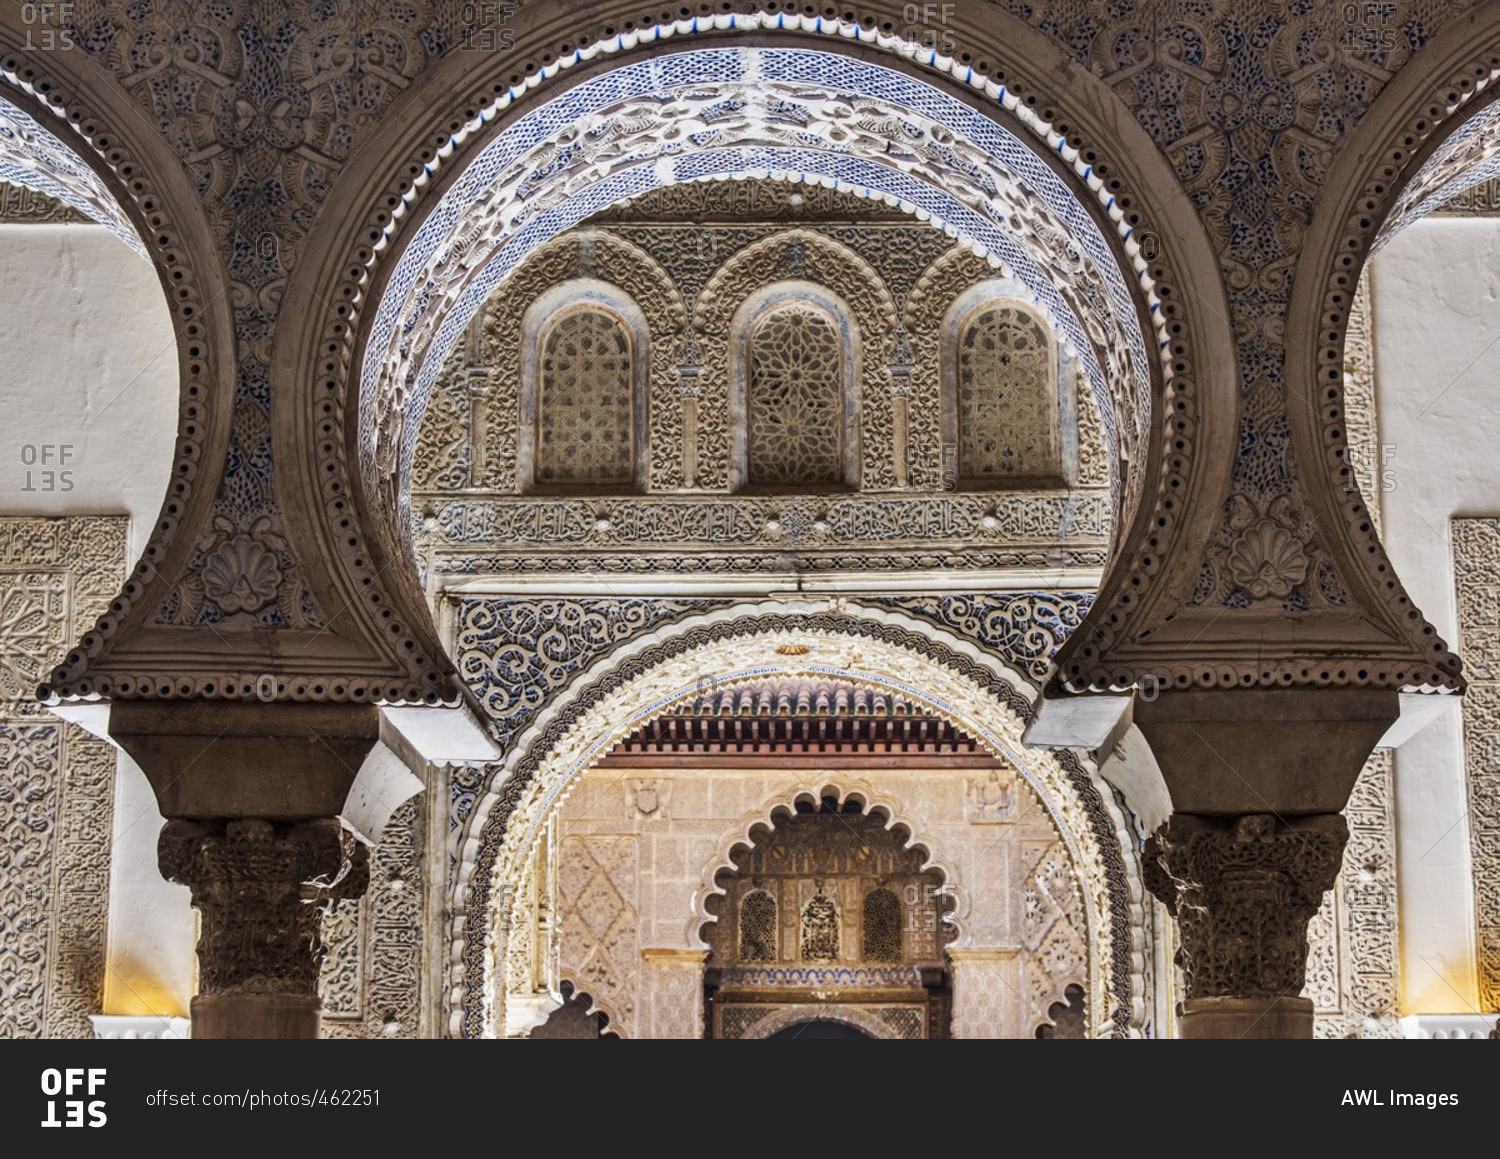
(57, 783)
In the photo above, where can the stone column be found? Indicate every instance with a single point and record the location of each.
(262, 888)
(1243, 890)
(253, 796)
(1258, 780)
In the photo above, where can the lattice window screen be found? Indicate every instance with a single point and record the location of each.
(882, 926)
(795, 400)
(820, 930)
(758, 927)
(585, 406)
(1007, 400)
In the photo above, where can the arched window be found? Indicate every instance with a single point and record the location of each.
(758, 927)
(796, 371)
(882, 926)
(1006, 400)
(585, 403)
(820, 929)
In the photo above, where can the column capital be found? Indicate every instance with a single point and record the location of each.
(262, 888)
(1243, 890)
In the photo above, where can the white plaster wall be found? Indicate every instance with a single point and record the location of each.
(88, 361)
(1435, 293)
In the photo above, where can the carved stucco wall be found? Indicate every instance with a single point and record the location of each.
(1476, 563)
(371, 984)
(56, 781)
(464, 473)
(1352, 964)
(628, 879)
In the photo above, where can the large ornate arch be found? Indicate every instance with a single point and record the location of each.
(843, 272)
(133, 183)
(952, 677)
(1381, 179)
(348, 263)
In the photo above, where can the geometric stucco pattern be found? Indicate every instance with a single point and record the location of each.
(1476, 567)
(56, 781)
(1054, 933)
(596, 888)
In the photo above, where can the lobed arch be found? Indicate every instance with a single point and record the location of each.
(877, 648)
(841, 789)
(351, 262)
(1402, 159)
(88, 148)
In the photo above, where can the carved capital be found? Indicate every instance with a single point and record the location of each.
(262, 888)
(1243, 890)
